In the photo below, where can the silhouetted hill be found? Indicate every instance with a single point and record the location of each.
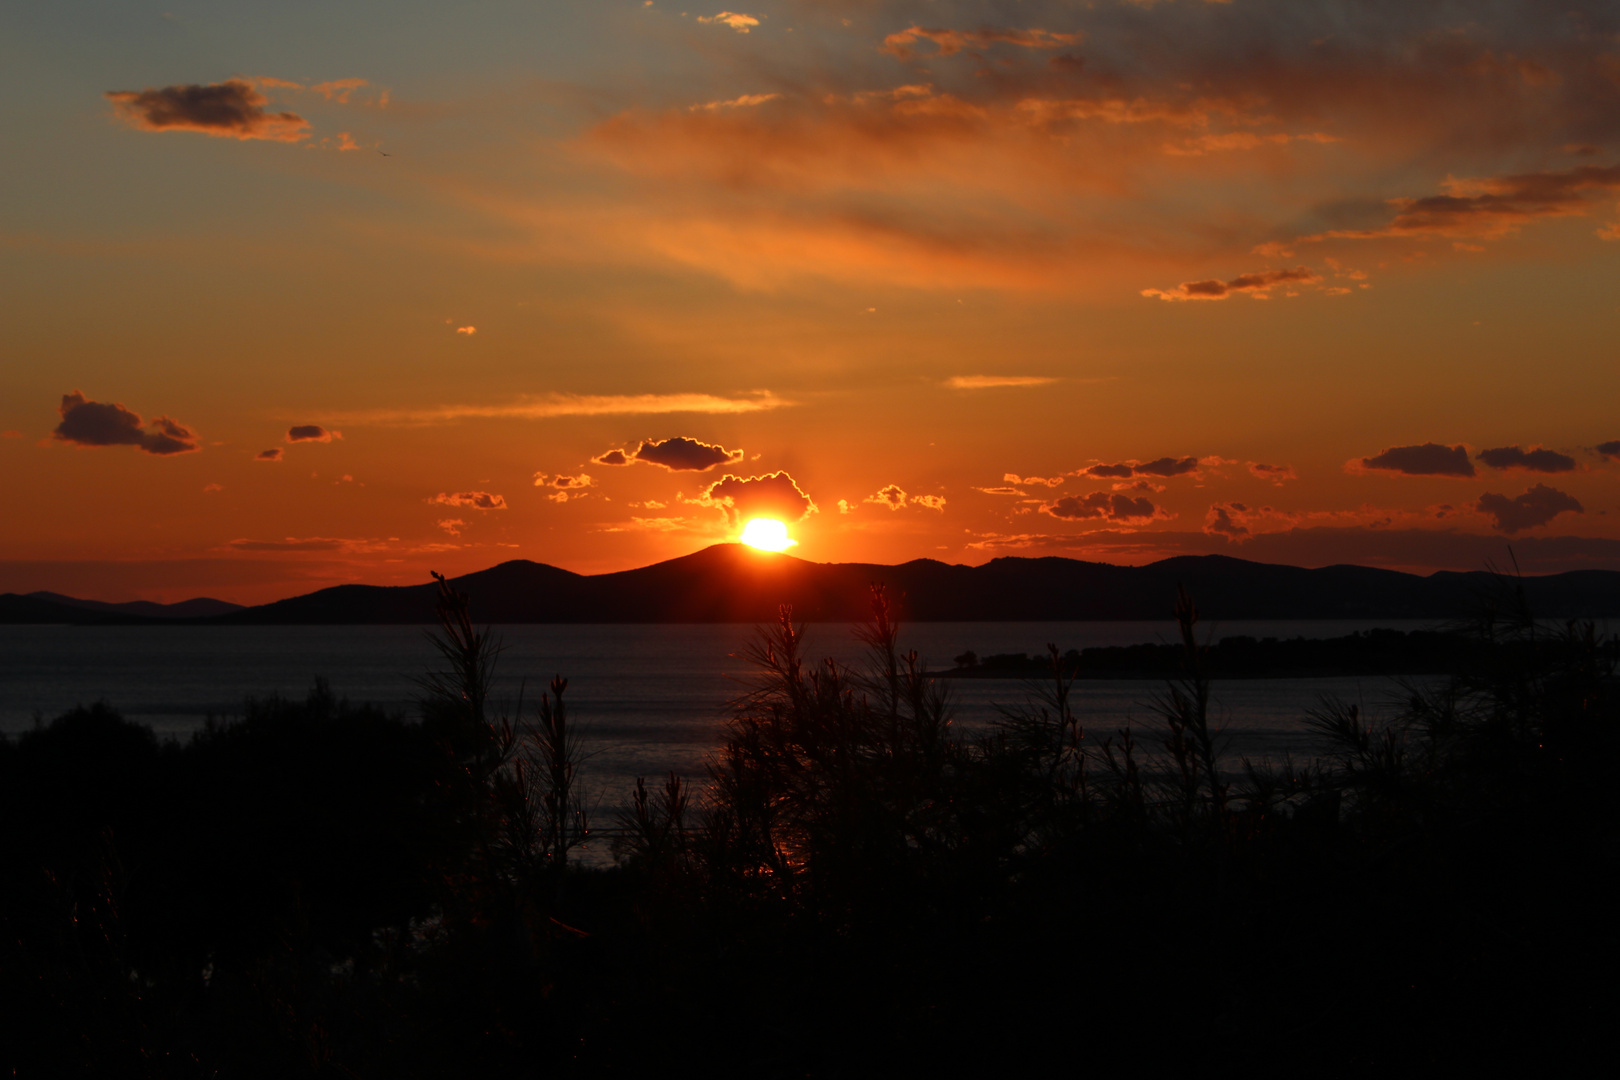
(733, 583)
(54, 608)
(199, 607)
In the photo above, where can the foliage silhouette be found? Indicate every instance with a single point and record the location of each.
(319, 889)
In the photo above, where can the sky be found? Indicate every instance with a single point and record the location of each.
(308, 293)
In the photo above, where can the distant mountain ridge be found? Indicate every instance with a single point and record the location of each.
(732, 583)
(49, 607)
(196, 607)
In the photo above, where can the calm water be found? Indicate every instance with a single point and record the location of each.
(650, 698)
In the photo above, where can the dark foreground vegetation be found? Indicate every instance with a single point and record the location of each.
(320, 889)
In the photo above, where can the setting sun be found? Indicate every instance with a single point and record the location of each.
(767, 534)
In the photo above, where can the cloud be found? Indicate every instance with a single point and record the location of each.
(1001, 491)
(453, 526)
(1534, 460)
(891, 496)
(472, 500)
(1609, 449)
(644, 524)
(311, 433)
(564, 483)
(1491, 207)
(740, 23)
(468, 330)
(1162, 467)
(1027, 170)
(745, 101)
(232, 109)
(273, 454)
(929, 502)
(564, 487)
(1257, 284)
(987, 382)
(950, 42)
(680, 454)
(1104, 506)
(553, 405)
(1277, 474)
(1535, 507)
(338, 90)
(774, 495)
(1227, 520)
(1427, 459)
(611, 457)
(1044, 481)
(94, 423)
(1168, 467)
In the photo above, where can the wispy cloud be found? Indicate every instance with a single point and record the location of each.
(737, 21)
(987, 382)
(544, 407)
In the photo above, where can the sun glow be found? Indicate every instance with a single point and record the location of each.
(767, 534)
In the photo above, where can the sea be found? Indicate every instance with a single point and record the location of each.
(647, 699)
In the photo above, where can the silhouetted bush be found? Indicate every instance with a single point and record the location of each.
(319, 889)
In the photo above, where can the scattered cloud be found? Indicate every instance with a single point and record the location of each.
(988, 382)
(1258, 284)
(453, 526)
(1426, 459)
(738, 22)
(1103, 505)
(233, 109)
(1490, 208)
(1164, 467)
(273, 454)
(1535, 507)
(929, 502)
(646, 524)
(891, 496)
(472, 500)
(311, 433)
(1535, 459)
(468, 330)
(544, 407)
(680, 454)
(338, 90)
(1277, 474)
(1609, 449)
(94, 423)
(563, 487)
(951, 42)
(611, 457)
(745, 101)
(774, 495)
(1043, 481)
(564, 483)
(1227, 520)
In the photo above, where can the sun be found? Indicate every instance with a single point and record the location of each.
(767, 534)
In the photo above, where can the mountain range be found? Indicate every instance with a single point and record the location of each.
(733, 583)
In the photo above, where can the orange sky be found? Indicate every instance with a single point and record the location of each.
(305, 295)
